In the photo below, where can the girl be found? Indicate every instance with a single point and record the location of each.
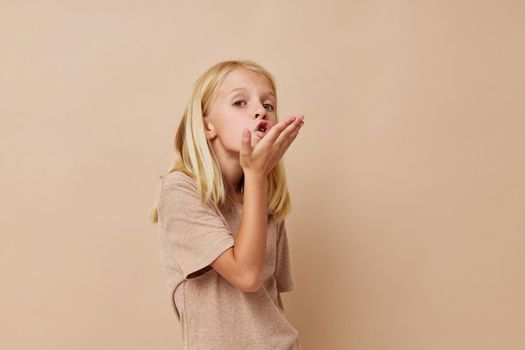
(220, 211)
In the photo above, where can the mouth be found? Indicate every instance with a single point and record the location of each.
(262, 128)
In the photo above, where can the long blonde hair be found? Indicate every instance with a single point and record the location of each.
(195, 157)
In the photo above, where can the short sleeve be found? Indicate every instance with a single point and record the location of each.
(194, 232)
(283, 266)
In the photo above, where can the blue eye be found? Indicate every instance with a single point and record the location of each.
(267, 104)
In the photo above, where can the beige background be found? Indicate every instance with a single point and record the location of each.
(408, 178)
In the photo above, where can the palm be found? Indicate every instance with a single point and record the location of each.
(269, 150)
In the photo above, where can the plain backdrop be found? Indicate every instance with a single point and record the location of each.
(407, 180)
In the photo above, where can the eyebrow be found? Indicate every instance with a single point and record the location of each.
(240, 88)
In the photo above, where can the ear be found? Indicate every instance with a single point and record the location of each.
(209, 128)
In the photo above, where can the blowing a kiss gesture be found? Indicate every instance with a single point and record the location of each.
(265, 155)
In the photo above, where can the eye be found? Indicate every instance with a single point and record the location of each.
(271, 107)
(236, 102)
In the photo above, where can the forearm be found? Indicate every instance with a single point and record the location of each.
(250, 243)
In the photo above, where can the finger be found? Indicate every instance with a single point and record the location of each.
(246, 144)
(276, 130)
(285, 143)
(289, 130)
(279, 132)
(288, 141)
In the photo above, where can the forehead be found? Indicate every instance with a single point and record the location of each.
(245, 79)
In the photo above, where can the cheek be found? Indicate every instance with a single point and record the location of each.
(230, 134)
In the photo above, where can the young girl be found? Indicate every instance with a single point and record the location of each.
(220, 211)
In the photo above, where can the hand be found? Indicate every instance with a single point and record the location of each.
(262, 158)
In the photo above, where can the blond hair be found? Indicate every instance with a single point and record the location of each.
(195, 157)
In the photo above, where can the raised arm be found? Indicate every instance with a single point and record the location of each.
(242, 265)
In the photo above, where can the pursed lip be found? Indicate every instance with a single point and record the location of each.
(263, 123)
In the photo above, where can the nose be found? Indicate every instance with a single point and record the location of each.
(261, 112)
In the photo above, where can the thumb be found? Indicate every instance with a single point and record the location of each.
(246, 144)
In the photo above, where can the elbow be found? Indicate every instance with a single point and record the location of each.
(252, 283)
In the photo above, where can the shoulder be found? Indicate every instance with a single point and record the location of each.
(178, 178)
(177, 186)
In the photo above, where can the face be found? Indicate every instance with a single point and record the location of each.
(245, 98)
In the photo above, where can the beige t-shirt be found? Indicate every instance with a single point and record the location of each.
(214, 314)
